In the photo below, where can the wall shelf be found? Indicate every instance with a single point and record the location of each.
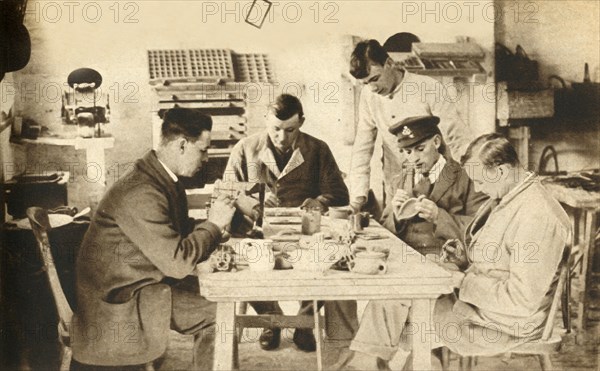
(446, 68)
(94, 150)
(78, 143)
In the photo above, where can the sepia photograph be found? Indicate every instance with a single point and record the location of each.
(299, 185)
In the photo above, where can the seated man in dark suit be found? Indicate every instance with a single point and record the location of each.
(134, 268)
(299, 170)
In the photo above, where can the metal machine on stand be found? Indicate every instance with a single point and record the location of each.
(80, 103)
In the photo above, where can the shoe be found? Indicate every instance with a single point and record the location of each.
(344, 357)
(383, 365)
(350, 361)
(305, 340)
(270, 338)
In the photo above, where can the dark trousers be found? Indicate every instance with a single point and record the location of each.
(191, 314)
(341, 319)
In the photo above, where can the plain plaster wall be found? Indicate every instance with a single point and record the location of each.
(304, 52)
(561, 36)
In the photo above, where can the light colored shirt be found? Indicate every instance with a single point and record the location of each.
(416, 95)
(171, 174)
(434, 173)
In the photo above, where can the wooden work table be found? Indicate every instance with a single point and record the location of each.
(409, 277)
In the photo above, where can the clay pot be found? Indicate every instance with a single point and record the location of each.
(340, 212)
(408, 209)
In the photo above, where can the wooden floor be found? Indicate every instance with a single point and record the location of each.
(579, 351)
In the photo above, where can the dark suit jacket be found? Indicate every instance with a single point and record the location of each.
(455, 196)
(311, 172)
(140, 235)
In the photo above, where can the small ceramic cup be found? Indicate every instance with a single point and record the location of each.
(340, 212)
(311, 221)
(258, 254)
(369, 262)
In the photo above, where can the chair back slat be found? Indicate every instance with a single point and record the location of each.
(564, 271)
(40, 224)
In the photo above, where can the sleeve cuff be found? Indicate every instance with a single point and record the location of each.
(443, 220)
(213, 230)
(463, 310)
(470, 285)
(359, 199)
(323, 200)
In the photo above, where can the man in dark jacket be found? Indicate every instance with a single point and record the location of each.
(132, 266)
(299, 170)
(446, 197)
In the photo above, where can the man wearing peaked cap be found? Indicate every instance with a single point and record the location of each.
(414, 129)
(445, 196)
(391, 94)
(443, 200)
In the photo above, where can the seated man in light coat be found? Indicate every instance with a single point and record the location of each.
(447, 199)
(508, 271)
(133, 270)
(299, 170)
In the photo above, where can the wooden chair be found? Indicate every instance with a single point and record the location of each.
(40, 224)
(566, 298)
(550, 341)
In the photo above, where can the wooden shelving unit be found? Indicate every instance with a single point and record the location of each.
(515, 110)
(225, 103)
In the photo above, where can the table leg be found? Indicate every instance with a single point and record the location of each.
(241, 309)
(318, 339)
(421, 341)
(587, 260)
(225, 337)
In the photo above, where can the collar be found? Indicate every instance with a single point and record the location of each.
(267, 157)
(435, 171)
(529, 179)
(275, 150)
(492, 205)
(171, 174)
(399, 87)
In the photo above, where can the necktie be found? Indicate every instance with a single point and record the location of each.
(182, 206)
(423, 187)
(180, 191)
